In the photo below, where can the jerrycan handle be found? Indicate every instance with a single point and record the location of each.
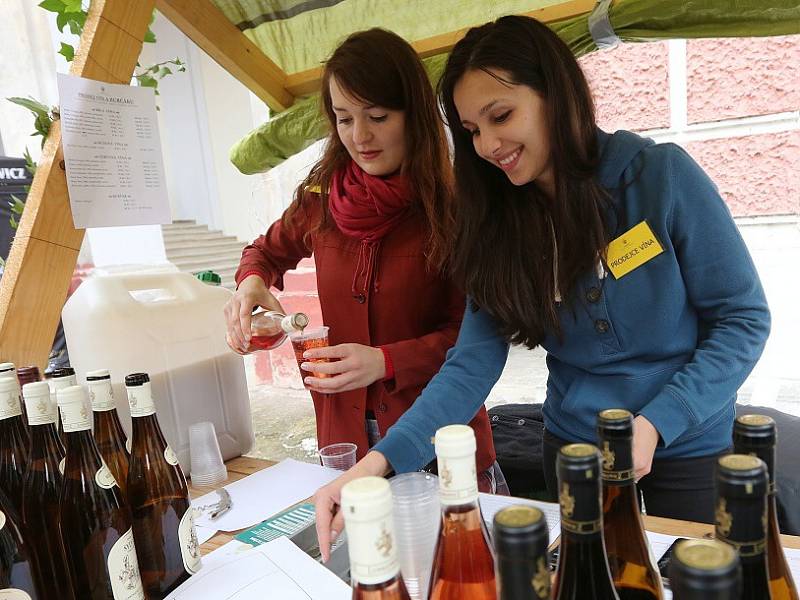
(161, 288)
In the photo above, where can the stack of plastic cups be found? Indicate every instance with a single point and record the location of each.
(207, 467)
(417, 515)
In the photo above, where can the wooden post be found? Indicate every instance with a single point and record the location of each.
(45, 249)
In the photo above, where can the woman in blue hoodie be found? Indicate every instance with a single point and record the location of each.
(615, 254)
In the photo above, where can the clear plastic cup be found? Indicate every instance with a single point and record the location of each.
(338, 456)
(417, 518)
(207, 466)
(310, 337)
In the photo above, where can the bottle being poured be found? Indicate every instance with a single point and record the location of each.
(269, 329)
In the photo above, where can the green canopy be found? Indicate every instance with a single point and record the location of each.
(283, 30)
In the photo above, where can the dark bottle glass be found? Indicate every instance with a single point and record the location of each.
(583, 572)
(16, 573)
(96, 524)
(108, 433)
(463, 565)
(61, 378)
(374, 568)
(627, 549)
(13, 441)
(757, 435)
(521, 536)
(41, 491)
(163, 520)
(7, 371)
(705, 570)
(741, 518)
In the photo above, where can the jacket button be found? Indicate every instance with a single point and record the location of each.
(361, 298)
(601, 326)
(593, 295)
(382, 407)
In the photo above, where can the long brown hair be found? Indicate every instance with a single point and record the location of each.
(504, 252)
(379, 67)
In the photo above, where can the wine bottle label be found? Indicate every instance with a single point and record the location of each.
(14, 594)
(62, 464)
(9, 405)
(128, 445)
(458, 480)
(733, 527)
(617, 463)
(41, 410)
(123, 569)
(102, 396)
(579, 517)
(75, 417)
(190, 545)
(104, 477)
(373, 551)
(170, 456)
(140, 399)
(2, 520)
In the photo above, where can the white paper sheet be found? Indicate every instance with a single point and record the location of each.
(112, 152)
(266, 493)
(277, 569)
(490, 504)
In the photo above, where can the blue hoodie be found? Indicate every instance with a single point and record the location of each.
(672, 340)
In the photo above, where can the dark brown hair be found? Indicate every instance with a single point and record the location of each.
(378, 67)
(504, 254)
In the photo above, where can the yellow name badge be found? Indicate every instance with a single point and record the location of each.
(632, 249)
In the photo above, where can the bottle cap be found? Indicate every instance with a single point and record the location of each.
(517, 529)
(366, 499)
(705, 567)
(9, 397)
(300, 320)
(97, 375)
(36, 389)
(62, 372)
(28, 374)
(578, 462)
(6, 367)
(72, 404)
(616, 423)
(454, 441)
(209, 277)
(135, 379)
(705, 555)
(755, 431)
(41, 409)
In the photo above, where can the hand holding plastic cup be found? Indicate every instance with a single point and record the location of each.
(311, 337)
(207, 467)
(340, 456)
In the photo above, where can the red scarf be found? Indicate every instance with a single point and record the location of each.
(367, 207)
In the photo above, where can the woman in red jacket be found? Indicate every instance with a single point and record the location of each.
(365, 212)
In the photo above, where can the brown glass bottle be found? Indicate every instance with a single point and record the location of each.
(163, 520)
(13, 441)
(16, 574)
(108, 433)
(96, 524)
(61, 378)
(41, 491)
(8, 371)
(25, 375)
(583, 572)
(374, 568)
(757, 435)
(463, 564)
(705, 570)
(520, 537)
(741, 518)
(627, 549)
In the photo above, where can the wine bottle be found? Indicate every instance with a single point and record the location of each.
(705, 570)
(13, 441)
(108, 433)
(25, 375)
(41, 491)
(8, 371)
(757, 435)
(374, 567)
(521, 536)
(16, 574)
(163, 520)
(583, 572)
(96, 523)
(61, 378)
(463, 565)
(627, 549)
(269, 328)
(741, 518)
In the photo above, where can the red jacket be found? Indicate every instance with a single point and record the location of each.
(415, 315)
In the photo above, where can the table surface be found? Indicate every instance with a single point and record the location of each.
(243, 466)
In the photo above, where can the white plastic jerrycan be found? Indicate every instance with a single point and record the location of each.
(171, 326)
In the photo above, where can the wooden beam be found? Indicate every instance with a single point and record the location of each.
(46, 245)
(307, 82)
(207, 26)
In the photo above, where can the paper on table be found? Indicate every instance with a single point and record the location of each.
(277, 569)
(490, 504)
(204, 533)
(262, 494)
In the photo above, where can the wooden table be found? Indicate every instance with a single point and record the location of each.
(244, 466)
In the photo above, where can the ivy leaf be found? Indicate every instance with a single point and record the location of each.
(163, 72)
(13, 222)
(32, 105)
(17, 205)
(75, 28)
(72, 6)
(150, 37)
(147, 81)
(61, 21)
(29, 164)
(67, 52)
(56, 6)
